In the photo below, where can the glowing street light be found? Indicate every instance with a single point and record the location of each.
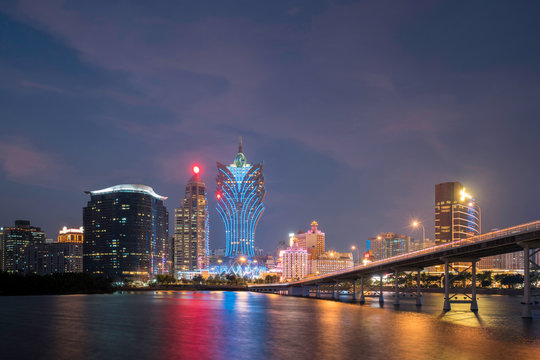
(416, 224)
(354, 247)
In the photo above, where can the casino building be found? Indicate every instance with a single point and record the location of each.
(125, 232)
(240, 194)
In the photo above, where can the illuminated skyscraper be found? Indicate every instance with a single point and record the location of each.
(240, 195)
(71, 235)
(312, 240)
(457, 214)
(191, 227)
(126, 229)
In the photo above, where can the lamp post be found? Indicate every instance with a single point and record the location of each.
(354, 247)
(416, 224)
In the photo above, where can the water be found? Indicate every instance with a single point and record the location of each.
(242, 325)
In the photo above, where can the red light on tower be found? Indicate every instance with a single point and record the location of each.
(218, 196)
(196, 169)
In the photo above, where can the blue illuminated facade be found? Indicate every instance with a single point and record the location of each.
(240, 195)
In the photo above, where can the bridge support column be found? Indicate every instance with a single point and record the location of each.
(318, 291)
(354, 290)
(446, 306)
(474, 303)
(396, 287)
(362, 298)
(418, 289)
(381, 296)
(526, 309)
(334, 291)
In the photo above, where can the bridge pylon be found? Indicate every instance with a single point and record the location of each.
(450, 292)
(529, 303)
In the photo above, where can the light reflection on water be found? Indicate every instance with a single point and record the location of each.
(241, 325)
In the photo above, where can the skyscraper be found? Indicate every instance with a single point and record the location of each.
(240, 194)
(125, 232)
(191, 227)
(457, 214)
(14, 242)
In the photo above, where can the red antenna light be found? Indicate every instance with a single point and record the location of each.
(196, 169)
(218, 196)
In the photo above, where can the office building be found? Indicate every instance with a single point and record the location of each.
(457, 214)
(125, 232)
(294, 262)
(14, 241)
(389, 244)
(191, 230)
(240, 194)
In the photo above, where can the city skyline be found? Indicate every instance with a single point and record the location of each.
(325, 103)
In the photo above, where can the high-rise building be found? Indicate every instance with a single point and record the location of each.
(240, 194)
(125, 232)
(294, 262)
(71, 235)
(14, 241)
(312, 240)
(457, 214)
(386, 245)
(191, 230)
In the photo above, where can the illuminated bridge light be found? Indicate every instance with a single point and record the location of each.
(240, 193)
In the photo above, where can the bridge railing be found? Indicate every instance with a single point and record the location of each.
(514, 230)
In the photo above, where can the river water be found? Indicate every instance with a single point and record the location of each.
(243, 325)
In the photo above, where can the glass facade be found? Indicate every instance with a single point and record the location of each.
(126, 233)
(240, 195)
(191, 228)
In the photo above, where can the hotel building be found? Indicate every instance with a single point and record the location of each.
(240, 193)
(125, 232)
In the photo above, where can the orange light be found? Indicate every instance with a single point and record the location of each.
(196, 169)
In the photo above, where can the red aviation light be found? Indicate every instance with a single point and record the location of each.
(218, 196)
(196, 169)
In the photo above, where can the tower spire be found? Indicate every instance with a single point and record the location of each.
(240, 144)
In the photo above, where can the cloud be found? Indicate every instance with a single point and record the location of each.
(39, 86)
(22, 162)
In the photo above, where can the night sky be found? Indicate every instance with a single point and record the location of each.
(356, 108)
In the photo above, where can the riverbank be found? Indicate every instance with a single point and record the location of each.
(55, 284)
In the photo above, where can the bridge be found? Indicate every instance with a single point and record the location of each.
(525, 237)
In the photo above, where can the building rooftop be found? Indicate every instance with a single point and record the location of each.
(131, 188)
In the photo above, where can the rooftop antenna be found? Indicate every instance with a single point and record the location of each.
(240, 144)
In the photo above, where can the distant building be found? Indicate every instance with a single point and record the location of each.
(55, 258)
(125, 232)
(330, 261)
(313, 241)
(457, 214)
(294, 263)
(240, 193)
(71, 235)
(13, 243)
(386, 245)
(191, 229)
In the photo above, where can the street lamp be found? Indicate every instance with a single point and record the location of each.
(416, 224)
(354, 247)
